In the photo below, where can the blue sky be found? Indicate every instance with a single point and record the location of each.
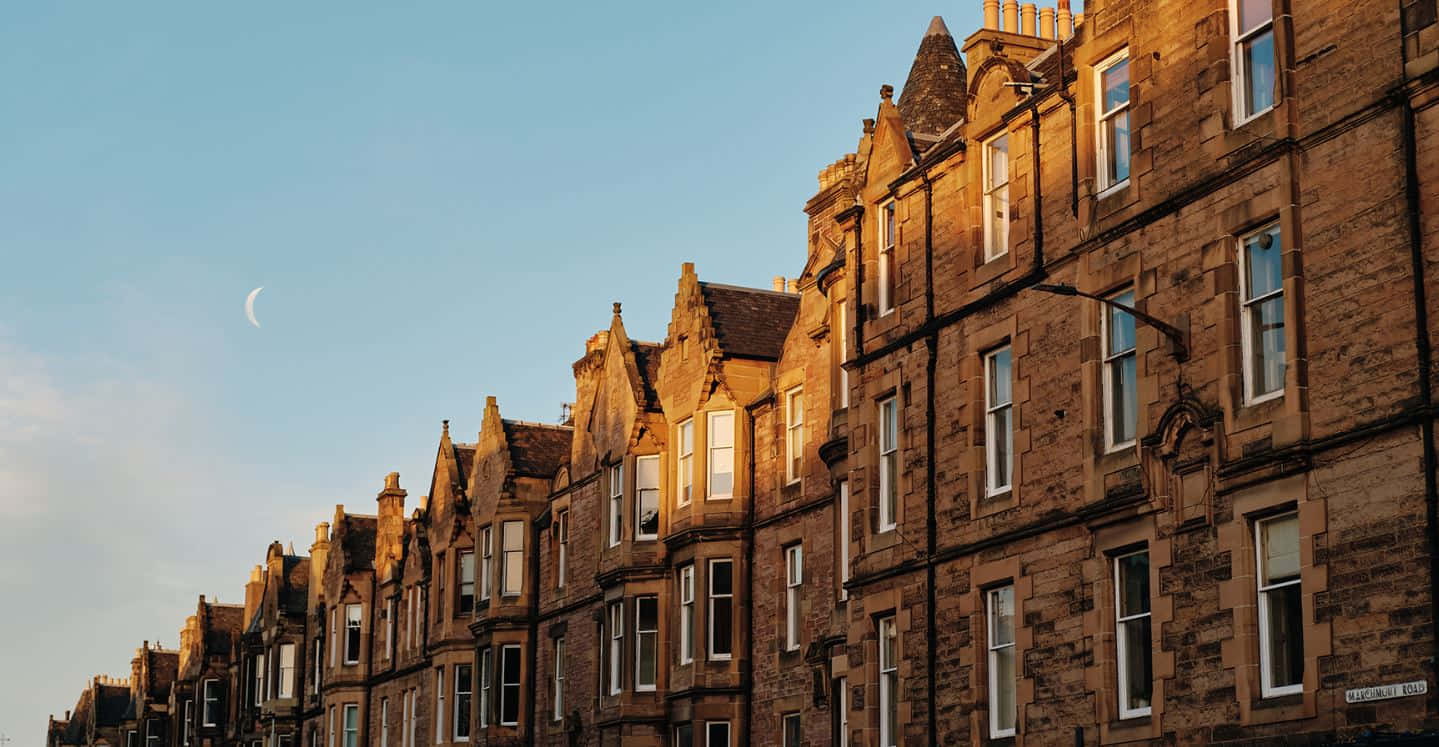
(441, 200)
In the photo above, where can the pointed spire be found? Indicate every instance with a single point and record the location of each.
(934, 97)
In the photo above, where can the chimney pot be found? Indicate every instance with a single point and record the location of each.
(779, 283)
(1066, 20)
(991, 14)
(1011, 16)
(392, 481)
(794, 285)
(1046, 23)
(322, 532)
(1026, 19)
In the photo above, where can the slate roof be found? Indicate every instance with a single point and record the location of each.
(933, 98)
(465, 460)
(359, 541)
(749, 322)
(224, 628)
(112, 703)
(647, 359)
(536, 449)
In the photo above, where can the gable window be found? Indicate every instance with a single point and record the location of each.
(1134, 649)
(793, 577)
(509, 685)
(687, 613)
(721, 609)
(1262, 314)
(721, 456)
(389, 628)
(716, 734)
(484, 687)
(888, 463)
(647, 497)
(1281, 622)
(466, 585)
(1002, 682)
(617, 502)
(464, 688)
(286, 687)
(685, 448)
(559, 686)
(999, 420)
(888, 684)
(514, 558)
(210, 703)
(1112, 82)
(617, 644)
(1251, 27)
(562, 528)
(440, 573)
(888, 267)
(487, 540)
(1121, 394)
(794, 434)
(412, 623)
(352, 634)
(843, 542)
(647, 642)
(996, 197)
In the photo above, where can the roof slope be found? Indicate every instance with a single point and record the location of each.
(464, 461)
(536, 449)
(647, 359)
(749, 322)
(933, 98)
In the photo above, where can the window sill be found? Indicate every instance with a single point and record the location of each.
(1238, 123)
(1112, 190)
(719, 497)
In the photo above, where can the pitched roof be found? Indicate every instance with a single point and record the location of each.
(359, 541)
(933, 98)
(647, 359)
(224, 627)
(111, 704)
(536, 449)
(750, 322)
(465, 461)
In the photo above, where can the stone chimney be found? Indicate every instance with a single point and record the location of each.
(254, 590)
(793, 285)
(1046, 23)
(319, 554)
(1066, 20)
(1011, 16)
(778, 285)
(991, 15)
(1026, 19)
(390, 528)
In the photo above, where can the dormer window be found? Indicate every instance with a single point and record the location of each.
(996, 197)
(888, 266)
(1112, 79)
(1251, 27)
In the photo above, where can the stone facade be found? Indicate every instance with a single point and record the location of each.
(1099, 410)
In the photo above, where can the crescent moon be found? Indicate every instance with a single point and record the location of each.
(250, 306)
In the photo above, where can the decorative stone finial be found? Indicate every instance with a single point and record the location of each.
(617, 308)
(869, 126)
(886, 92)
(446, 425)
(392, 480)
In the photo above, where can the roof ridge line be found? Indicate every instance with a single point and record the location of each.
(729, 286)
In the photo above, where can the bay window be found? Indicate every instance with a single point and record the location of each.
(647, 497)
(721, 456)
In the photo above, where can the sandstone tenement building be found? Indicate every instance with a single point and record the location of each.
(1100, 410)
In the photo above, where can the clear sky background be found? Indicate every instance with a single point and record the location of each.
(441, 200)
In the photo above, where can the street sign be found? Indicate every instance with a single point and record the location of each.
(1385, 692)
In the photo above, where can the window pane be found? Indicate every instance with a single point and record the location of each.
(1120, 325)
(1134, 585)
(1001, 616)
(1266, 331)
(1280, 538)
(1004, 710)
(1123, 404)
(1137, 663)
(1263, 255)
(890, 434)
(1258, 60)
(1254, 12)
(998, 152)
(720, 578)
(684, 735)
(1003, 433)
(1286, 636)
(999, 384)
(1116, 85)
(721, 430)
(1117, 147)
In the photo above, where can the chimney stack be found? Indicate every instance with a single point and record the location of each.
(779, 283)
(794, 285)
(390, 525)
(1046, 23)
(1011, 16)
(1026, 19)
(1066, 20)
(991, 14)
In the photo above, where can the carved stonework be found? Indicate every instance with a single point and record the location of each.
(1179, 456)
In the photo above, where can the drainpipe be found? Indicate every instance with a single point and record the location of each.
(1421, 336)
(931, 525)
(534, 631)
(747, 540)
(1068, 98)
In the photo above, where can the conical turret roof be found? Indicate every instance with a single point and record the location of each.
(933, 98)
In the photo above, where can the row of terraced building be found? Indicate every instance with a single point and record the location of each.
(1100, 411)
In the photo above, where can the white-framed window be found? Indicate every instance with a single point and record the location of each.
(185, 723)
(998, 421)
(888, 683)
(687, 613)
(685, 447)
(1281, 617)
(405, 717)
(559, 686)
(716, 734)
(562, 524)
(996, 197)
(319, 656)
(352, 725)
(647, 642)
(384, 722)
(794, 434)
(684, 735)
(132, 739)
(721, 609)
(841, 700)
(647, 497)
(485, 679)
(286, 686)
(841, 315)
(793, 736)
(487, 551)
(509, 685)
(1121, 389)
(209, 703)
(617, 645)
(259, 672)
(389, 628)
(1002, 682)
(466, 585)
(793, 578)
(720, 485)
(888, 263)
(330, 731)
(1261, 285)
(617, 503)
(843, 540)
(464, 690)
(352, 634)
(439, 705)
(888, 463)
(513, 560)
(334, 634)
(1131, 634)
(1251, 30)
(1111, 80)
